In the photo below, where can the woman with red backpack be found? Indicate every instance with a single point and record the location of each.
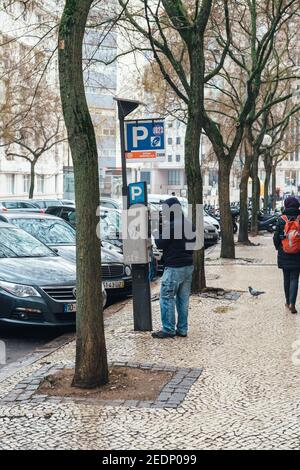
(287, 242)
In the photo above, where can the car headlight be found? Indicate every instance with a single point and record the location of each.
(19, 290)
(205, 230)
(127, 270)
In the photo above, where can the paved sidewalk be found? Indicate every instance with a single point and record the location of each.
(247, 396)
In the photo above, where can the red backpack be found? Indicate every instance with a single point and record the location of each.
(291, 242)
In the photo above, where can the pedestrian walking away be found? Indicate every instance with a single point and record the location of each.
(178, 270)
(287, 242)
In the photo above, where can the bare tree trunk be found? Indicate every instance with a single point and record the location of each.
(244, 215)
(91, 368)
(274, 186)
(227, 247)
(255, 195)
(268, 170)
(266, 188)
(195, 190)
(192, 146)
(32, 178)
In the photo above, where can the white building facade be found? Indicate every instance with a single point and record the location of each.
(54, 170)
(15, 20)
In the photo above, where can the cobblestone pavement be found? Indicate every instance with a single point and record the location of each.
(248, 395)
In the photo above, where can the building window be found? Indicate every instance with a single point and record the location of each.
(178, 140)
(169, 158)
(170, 140)
(146, 176)
(213, 177)
(290, 178)
(26, 182)
(41, 184)
(10, 184)
(174, 177)
(56, 183)
(178, 158)
(170, 124)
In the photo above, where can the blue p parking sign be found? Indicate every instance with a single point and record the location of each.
(145, 140)
(137, 193)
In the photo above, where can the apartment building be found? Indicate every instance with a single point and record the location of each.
(19, 31)
(54, 170)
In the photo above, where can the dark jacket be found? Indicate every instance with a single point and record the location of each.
(175, 252)
(286, 260)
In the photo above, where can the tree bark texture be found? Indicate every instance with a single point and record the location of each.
(255, 194)
(227, 247)
(243, 236)
(91, 368)
(32, 179)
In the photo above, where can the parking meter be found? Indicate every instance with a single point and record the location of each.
(136, 250)
(136, 244)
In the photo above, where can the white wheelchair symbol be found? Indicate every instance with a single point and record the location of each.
(155, 141)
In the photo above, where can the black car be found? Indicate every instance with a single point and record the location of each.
(67, 213)
(61, 236)
(45, 203)
(37, 287)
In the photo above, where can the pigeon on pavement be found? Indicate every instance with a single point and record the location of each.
(255, 292)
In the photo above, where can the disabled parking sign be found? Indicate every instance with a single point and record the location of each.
(145, 140)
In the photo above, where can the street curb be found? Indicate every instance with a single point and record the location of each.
(57, 343)
(39, 353)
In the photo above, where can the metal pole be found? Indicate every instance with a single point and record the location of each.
(141, 291)
(125, 107)
(123, 157)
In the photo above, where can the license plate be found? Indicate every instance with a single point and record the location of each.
(69, 308)
(113, 284)
(209, 236)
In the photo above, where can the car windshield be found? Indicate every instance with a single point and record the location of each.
(48, 231)
(15, 243)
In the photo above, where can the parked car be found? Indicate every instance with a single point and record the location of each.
(156, 200)
(211, 235)
(212, 221)
(67, 202)
(110, 203)
(37, 287)
(67, 213)
(60, 236)
(12, 205)
(44, 203)
(110, 227)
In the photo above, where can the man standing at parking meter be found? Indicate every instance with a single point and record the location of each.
(176, 240)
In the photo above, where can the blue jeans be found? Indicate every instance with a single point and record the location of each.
(291, 281)
(175, 289)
